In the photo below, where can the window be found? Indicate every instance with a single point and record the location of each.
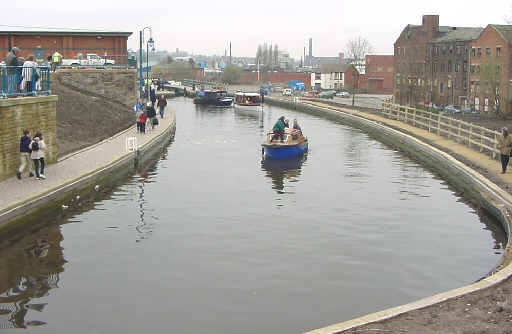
(465, 66)
(458, 50)
(318, 76)
(449, 68)
(473, 68)
(488, 51)
(442, 67)
(398, 51)
(498, 68)
(434, 67)
(457, 67)
(498, 51)
(473, 52)
(436, 50)
(443, 51)
(479, 52)
(464, 83)
(451, 50)
(477, 68)
(441, 88)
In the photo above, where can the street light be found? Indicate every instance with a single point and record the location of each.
(150, 43)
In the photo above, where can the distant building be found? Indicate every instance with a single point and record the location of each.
(431, 63)
(329, 77)
(107, 44)
(379, 73)
(490, 70)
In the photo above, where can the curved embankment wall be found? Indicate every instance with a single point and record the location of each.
(49, 205)
(475, 187)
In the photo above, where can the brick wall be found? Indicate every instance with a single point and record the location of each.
(32, 113)
(116, 85)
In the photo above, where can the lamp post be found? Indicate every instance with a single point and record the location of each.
(149, 43)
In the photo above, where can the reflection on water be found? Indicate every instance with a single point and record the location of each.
(29, 268)
(283, 169)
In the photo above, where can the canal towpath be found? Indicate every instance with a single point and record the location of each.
(70, 168)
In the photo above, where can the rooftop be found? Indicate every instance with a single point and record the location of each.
(504, 30)
(454, 34)
(66, 33)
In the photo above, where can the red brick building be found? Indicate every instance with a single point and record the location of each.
(431, 63)
(112, 45)
(379, 74)
(490, 70)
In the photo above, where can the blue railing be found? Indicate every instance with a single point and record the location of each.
(24, 81)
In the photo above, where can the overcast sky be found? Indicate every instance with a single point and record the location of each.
(207, 27)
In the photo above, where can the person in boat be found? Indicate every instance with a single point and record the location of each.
(278, 129)
(296, 125)
(286, 123)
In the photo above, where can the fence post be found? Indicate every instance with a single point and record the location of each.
(429, 121)
(481, 141)
(414, 117)
(495, 146)
(458, 133)
(470, 135)
(438, 124)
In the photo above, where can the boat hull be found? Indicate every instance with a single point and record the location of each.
(256, 110)
(285, 151)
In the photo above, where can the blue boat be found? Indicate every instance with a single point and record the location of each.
(293, 144)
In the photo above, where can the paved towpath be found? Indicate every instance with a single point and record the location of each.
(69, 168)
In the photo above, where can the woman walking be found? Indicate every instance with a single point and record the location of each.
(505, 145)
(38, 148)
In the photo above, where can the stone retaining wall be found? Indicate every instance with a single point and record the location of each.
(116, 85)
(34, 114)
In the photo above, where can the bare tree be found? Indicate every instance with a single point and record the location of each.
(357, 49)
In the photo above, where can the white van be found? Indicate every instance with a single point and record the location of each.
(287, 92)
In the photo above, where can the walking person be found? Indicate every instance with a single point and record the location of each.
(161, 104)
(505, 145)
(11, 61)
(56, 60)
(38, 148)
(151, 114)
(25, 151)
(141, 121)
(152, 95)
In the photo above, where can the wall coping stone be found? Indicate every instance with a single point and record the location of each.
(27, 100)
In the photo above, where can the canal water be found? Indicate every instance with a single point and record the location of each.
(211, 239)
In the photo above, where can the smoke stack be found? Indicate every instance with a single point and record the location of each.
(310, 51)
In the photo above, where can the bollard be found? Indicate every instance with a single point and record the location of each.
(131, 144)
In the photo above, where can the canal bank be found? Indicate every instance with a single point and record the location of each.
(485, 301)
(79, 175)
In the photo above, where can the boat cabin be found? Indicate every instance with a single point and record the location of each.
(248, 99)
(290, 137)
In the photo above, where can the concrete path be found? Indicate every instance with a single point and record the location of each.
(68, 169)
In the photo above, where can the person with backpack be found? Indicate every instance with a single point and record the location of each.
(25, 155)
(151, 114)
(38, 148)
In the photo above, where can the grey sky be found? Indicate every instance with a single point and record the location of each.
(207, 27)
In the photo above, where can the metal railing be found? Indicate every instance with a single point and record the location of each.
(24, 81)
(474, 136)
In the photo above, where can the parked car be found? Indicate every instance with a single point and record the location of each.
(468, 110)
(287, 92)
(327, 94)
(343, 94)
(309, 94)
(451, 109)
(91, 59)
